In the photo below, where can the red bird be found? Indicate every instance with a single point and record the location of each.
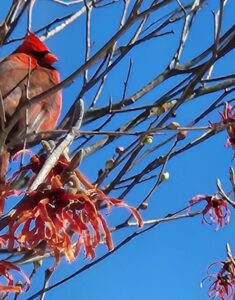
(28, 71)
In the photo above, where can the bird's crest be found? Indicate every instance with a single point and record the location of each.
(32, 45)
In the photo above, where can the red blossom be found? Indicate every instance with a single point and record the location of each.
(6, 192)
(60, 220)
(5, 268)
(36, 163)
(223, 286)
(228, 117)
(216, 207)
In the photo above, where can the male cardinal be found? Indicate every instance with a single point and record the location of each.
(24, 74)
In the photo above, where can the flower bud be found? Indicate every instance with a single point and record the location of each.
(171, 104)
(144, 205)
(159, 110)
(119, 150)
(165, 176)
(109, 164)
(181, 135)
(148, 139)
(173, 125)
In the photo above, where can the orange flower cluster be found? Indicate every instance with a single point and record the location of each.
(5, 268)
(59, 219)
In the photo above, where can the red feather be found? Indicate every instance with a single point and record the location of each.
(29, 68)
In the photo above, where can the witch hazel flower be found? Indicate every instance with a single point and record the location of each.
(216, 208)
(228, 117)
(7, 282)
(61, 216)
(224, 280)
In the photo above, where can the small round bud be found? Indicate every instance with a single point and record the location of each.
(165, 176)
(173, 125)
(144, 205)
(119, 150)
(181, 135)
(148, 139)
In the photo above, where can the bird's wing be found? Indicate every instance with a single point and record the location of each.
(12, 75)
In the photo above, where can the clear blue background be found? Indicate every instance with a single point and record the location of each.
(170, 261)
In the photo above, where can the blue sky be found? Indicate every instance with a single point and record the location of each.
(170, 261)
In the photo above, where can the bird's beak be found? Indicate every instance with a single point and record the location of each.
(50, 58)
